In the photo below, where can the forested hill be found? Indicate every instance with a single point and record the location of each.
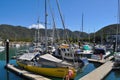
(20, 33)
(108, 30)
(15, 32)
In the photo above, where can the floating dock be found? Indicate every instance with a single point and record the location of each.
(95, 60)
(99, 73)
(101, 61)
(25, 73)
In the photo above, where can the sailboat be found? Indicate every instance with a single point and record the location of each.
(46, 64)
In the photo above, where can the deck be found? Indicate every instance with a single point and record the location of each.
(100, 72)
(25, 73)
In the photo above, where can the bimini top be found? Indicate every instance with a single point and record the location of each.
(28, 56)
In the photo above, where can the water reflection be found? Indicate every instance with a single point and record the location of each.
(113, 75)
(7, 74)
(90, 67)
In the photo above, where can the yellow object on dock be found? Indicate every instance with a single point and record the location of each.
(26, 74)
(99, 73)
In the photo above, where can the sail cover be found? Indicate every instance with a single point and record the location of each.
(51, 58)
(28, 56)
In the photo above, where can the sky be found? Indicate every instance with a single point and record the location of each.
(97, 13)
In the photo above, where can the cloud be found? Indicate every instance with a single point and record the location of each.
(36, 26)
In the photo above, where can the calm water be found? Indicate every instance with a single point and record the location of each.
(113, 75)
(7, 75)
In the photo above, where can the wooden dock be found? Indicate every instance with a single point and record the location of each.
(100, 72)
(25, 73)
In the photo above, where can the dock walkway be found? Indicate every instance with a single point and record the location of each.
(99, 73)
(101, 61)
(26, 74)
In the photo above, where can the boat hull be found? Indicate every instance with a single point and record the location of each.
(60, 72)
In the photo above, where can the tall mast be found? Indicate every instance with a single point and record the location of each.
(54, 25)
(94, 37)
(82, 27)
(81, 33)
(46, 25)
(38, 32)
(118, 19)
(71, 51)
(62, 20)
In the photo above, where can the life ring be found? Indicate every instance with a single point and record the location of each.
(70, 73)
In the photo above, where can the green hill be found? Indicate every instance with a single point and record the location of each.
(105, 31)
(20, 33)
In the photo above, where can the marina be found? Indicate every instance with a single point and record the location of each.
(86, 70)
(55, 46)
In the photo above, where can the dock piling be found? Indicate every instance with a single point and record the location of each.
(7, 51)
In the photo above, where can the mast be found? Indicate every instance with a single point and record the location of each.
(94, 37)
(62, 21)
(35, 40)
(118, 19)
(71, 51)
(38, 32)
(54, 25)
(82, 27)
(46, 38)
(81, 33)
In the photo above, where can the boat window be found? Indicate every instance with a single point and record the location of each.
(63, 49)
(65, 54)
(68, 54)
(67, 49)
